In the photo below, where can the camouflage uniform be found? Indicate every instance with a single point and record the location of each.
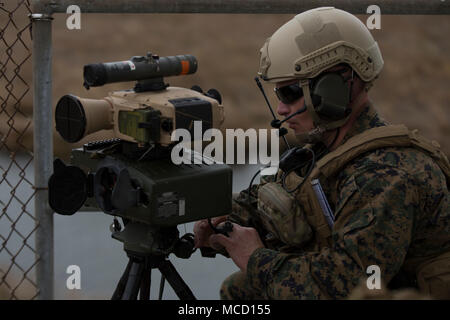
(391, 206)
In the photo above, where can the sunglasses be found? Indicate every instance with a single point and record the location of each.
(290, 93)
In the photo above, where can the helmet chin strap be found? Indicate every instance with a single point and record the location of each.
(304, 83)
(316, 134)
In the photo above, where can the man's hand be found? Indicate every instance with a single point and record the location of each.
(240, 244)
(202, 231)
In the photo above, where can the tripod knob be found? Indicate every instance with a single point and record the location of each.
(185, 246)
(115, 226)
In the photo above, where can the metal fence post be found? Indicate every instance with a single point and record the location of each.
(43, 149)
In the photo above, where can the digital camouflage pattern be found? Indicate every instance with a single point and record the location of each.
(392, 210)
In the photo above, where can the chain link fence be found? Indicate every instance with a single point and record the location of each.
(18, 194)
(18, 257)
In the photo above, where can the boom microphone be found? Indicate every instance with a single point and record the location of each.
(281, 131)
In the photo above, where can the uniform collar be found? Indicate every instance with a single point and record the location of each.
(368, 118)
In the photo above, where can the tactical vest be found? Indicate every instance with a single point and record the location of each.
(291, 217)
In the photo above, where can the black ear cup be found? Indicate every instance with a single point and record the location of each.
(330, 95)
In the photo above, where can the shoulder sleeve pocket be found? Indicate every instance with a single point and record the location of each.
(349, 202)
(283, 215)
(348, 196)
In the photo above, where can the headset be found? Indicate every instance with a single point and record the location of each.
(330, 96)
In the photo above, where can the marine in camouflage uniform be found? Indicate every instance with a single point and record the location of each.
(391, 206)
(387, 188)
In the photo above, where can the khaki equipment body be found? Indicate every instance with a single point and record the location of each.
(296, 219)
(141, 117)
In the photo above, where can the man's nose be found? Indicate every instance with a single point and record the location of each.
(282, 109)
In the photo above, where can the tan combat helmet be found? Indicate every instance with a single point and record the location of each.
(317, 40)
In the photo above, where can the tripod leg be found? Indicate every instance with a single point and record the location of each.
(117, 295)
(134, 281)
(179, 286)
(144, 293)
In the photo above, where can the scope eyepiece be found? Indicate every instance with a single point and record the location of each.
(94, 75)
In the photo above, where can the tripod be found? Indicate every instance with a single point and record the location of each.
(137, 278)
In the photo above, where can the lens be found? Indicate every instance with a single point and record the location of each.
(77, 117)
(289, 94)
(67, 188)
(70, 118)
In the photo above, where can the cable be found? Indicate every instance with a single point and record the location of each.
(251, 183)
(283, 178)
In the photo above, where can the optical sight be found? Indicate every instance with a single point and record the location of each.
(148, 113)
(138, 68)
